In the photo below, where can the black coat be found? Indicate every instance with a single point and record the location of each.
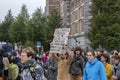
(51, 69)
(1, 64)
(76, 66)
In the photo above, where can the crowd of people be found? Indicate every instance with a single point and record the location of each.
(74, 64)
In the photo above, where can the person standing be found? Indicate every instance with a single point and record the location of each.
(105, 59)
(30, 70)
(63, 65)
(1, 64)
(14, 60)
(76, 66)
(116, 68)
(50, 68)
(94, 69)
(6, 64)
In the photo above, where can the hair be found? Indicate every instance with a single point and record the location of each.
(93, 53)
(78, 49)
(116, 57)
(14, 53)
(114, 52)
(29, 51)
(119, 54)
(105, 55)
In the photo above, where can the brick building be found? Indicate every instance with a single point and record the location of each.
(76, 15)
(51, 5)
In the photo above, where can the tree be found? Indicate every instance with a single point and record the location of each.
(105, 30)
(17, 29)
(34, 28)
(53, 21)
(4, 27)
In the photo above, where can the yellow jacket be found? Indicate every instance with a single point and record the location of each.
(109, 69)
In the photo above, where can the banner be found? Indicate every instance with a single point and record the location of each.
(59, 40)
(62, 32)
(56, 48)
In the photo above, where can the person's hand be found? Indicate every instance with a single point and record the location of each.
(65, 46)
(5, 62)
(114, 77)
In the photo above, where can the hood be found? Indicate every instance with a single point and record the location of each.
(118, 66)
(94, 61)
(28, 63)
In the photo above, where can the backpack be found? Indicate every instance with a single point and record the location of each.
(32, 70)
(13, 71)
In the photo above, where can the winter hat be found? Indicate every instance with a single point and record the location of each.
(14, 53)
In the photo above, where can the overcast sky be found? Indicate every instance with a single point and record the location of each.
(15, 6)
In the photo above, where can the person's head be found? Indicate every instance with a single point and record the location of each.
(50, 55)
(27, 54)
(119, 54)
(90, 56)
(78, 51)
(116, 59)
(13, 55)
(112, 60)
(99, 53)
(105, 58)
(62, 56)
(83, 53)
(105, 52)
(95, 52)
(115, 52)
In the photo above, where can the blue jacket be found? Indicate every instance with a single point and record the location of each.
(94, 71)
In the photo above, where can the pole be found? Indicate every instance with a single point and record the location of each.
(38, 50)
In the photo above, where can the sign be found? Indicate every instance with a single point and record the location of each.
(56, 48)
(59, 40)
(38, 44)
(62, 32)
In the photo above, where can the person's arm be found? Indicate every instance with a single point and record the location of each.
(54, 66)
(54, 54)
(45, 65)
(70, 54)
(55, 57)
(70, 57)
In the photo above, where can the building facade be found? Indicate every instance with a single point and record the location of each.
(65, 12)
(51, 5)
(80, 22)
(75, 15)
